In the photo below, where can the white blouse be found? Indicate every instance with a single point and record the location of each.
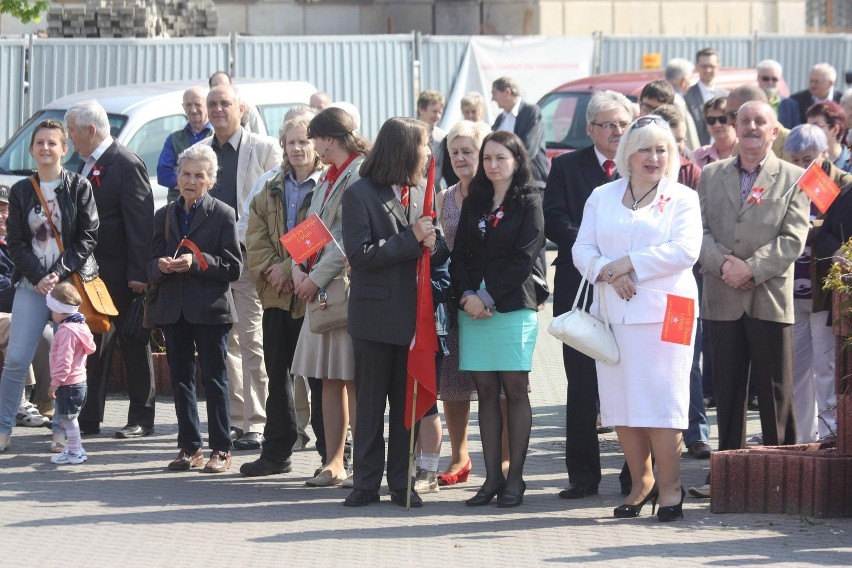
(663, 240)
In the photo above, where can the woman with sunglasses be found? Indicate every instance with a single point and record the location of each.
(40, 261)
(638, 241)
(721, 129)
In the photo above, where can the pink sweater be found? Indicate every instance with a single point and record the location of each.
(72, 344)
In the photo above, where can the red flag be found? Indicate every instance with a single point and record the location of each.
(195, 251)
(679, 319)
(306, 238)
(819, 187)
(421, 354)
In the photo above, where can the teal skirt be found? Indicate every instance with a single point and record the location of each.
(503, 342)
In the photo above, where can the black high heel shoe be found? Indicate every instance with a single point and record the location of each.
(672, 512)
(484, 496)
(507, 499)
(626, 511)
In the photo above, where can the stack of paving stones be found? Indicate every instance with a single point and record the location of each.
(134, 18)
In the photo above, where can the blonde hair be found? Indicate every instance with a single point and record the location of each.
(476, 131)
(637, 137)
(66, 293)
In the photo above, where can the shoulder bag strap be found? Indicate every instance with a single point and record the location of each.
(47, 214)
(333, 211)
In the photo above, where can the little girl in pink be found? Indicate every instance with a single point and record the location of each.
(72, 344)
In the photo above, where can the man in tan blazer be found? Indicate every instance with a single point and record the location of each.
(243, 158)
(754, 229)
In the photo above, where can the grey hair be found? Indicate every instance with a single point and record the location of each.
(648, 136)
(297, 111)
(473, 99)
(201, 153)
(603, 101)
(678, 68)
(506, 82)
(770, 64)
(477, 131)
(827, 70)
(806, 138)
(89, 113)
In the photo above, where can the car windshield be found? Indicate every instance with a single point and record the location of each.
(273, 116)
(15, 158)
(564, 119)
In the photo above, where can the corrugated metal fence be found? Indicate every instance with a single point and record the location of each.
(379, 74)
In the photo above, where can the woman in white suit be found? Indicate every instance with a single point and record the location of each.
(638, 240)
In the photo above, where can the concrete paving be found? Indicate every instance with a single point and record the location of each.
(123, 508)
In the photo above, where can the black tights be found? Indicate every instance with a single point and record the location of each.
(519, 415)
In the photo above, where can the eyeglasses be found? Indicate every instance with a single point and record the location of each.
(768, 79)
(622, 125)
(711, 120)
(646, 120)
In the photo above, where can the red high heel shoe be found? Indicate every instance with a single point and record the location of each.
(458, 477)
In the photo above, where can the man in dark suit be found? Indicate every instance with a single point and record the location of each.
(707, 63)
(571, 181)
(122, 191)
(524, 119)
(384, 229)
(820, 88)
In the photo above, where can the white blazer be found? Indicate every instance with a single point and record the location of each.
(662, 240)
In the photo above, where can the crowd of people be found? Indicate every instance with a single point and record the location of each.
(684, 193)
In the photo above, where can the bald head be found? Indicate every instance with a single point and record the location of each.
(744, 94)
(320, 101)
(195, 107)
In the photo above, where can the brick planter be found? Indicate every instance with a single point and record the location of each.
(783, 479)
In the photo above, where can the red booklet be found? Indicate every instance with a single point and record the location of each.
(819, 187)
(679, 319)
(306, 238)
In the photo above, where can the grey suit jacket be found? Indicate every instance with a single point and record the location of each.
(257, 155)
(201, 296)
(695, 104)
(769, 236)
(383, 252)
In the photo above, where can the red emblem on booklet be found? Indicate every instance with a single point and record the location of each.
(306, 238)
(679, 319)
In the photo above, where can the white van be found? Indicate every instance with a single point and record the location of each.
(141, 116)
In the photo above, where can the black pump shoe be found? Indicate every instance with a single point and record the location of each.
(626, 511)
(484, 496)
(507, 499)
(672, 512)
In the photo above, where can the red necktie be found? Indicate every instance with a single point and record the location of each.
(609, 169)
(403, 197)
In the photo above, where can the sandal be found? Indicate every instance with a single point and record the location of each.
(28, 415)
(326, 478)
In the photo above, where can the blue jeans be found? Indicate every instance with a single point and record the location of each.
(211, 342)
(70, 400)
(699, 428)
(29, 316)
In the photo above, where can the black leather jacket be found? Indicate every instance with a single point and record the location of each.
(79, 230)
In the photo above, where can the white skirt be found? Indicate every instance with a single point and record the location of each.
(649, 387)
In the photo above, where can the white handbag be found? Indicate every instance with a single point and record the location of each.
(579, 329)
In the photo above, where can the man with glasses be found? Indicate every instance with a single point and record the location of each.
(768, 78)
(572, 178)
(197, 128)
(754, 229)
(820, 88)
(707, 63)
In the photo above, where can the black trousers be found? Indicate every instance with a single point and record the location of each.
(138, 368)
(380, 378)
(760, 352)
(280, 334)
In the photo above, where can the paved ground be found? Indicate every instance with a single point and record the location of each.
(123, 508)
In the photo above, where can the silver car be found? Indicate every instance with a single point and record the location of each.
(141, 116)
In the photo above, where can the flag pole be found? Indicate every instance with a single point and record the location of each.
(411, 448)
(795, 183)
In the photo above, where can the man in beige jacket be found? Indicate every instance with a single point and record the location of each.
(754, 229)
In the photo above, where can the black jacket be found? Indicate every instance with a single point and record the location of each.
(530, 129)
(79, 230)
(805, 100)
(504, 257)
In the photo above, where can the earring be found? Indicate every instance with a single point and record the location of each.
(667, 173)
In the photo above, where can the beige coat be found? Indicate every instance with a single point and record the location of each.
(769, 236)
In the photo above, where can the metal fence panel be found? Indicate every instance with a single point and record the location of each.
(624, 53)
(64, 66)
(797, 54)
(12, 97)
(372, 72)
(440, 58)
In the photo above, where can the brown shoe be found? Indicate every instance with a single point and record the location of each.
(187, 460)
(219, 462)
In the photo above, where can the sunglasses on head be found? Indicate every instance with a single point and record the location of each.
(646, 120)
(711, 120)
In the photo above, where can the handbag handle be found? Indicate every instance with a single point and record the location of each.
(582, 292)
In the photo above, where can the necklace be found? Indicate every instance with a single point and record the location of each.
(636, 202)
